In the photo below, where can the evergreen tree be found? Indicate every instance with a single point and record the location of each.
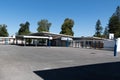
(114, 23)
(105, 33)
(3, 31)
(67, 27)
(117, 12)
(114, 26)
(24, 29)
(98, 28)
(43, 25)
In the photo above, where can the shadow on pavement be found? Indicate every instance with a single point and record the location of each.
(105, 71)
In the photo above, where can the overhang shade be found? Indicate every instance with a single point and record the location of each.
(36, 37)
(66, 38)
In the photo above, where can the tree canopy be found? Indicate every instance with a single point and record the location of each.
(67, 27)
(24, 29)
(117, 12)
(114, 26)
(98, 29)
(3, 31)
(106, 33)
(43, 25)
(114, 23)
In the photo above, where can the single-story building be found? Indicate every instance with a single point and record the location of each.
(7, 40)
(88, 42)
(44, 39)
(59, 40)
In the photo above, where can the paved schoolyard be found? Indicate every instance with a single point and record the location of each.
(31, 63)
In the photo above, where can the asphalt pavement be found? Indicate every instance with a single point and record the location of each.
(57, 63)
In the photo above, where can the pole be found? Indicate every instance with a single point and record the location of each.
(115, 48)
(49, 43)
(24, 42)
(67, 43)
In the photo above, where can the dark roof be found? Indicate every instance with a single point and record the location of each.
(45, 34)
(87, 38)
(48, 34)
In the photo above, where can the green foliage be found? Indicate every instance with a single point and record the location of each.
(117, 12)
(67, 27)
(106, 33)
(24, 29)
(98, 28)
(43, 25)
(114, 23)
(114, 26)
(3, 31)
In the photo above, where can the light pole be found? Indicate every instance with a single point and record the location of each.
(115, 48)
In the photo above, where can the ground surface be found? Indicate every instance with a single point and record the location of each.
(44, 63)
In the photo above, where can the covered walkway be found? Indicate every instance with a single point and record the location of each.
(88, 42)
(30, 40)
(44, 39)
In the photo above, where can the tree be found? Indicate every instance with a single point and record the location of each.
(43, 25)
(117, 12)
(114, 26)
(24, 29)
(114, 23)
(3, 31)
(98, 28)
(67, 27)
(105, 33)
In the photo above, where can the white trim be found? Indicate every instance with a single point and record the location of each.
(66, 38)
(6, 37)
(36, 37)
(49, 33)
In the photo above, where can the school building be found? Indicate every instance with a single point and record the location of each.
(58, 40)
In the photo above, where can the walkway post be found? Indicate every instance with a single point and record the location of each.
(115, 48)
(49, 41)
(67, 43)
(24, 42)
(16, 41)
(36, 42)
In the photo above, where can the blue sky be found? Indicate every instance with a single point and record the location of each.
(85, 13)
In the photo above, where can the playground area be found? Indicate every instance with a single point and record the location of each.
(57, 63)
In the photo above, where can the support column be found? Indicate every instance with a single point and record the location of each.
(84, 44)
(71, 43)
(95, 45)
(36, 42)
(16, 41)
(13, 41)
(115, 48)
(49, 40)
(79, 44)
(24, 42)
(29, 41)
(67, 43)
(49, 43)
(88, 44)
(46, 42)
